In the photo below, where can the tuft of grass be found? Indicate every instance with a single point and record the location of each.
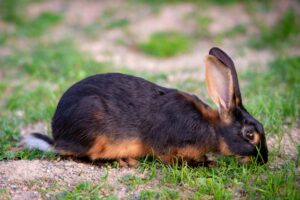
(218, 2)
(166, 44)
(203, 23)
(109, 20)
(54, 62)
(237, 30)
(4, 194)
(279, 35)
(86, 190)
(12, 10)
(83, 190)
(3, 37)
(117, 23)
(163, 193)
(131, 180)
(40, 24)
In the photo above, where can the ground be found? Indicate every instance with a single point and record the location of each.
(45, 46)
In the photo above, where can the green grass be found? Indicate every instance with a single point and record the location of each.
(109, 20)
(57, 62)
(131, 180)
(13, 12)
(277, 93)
(40, 24)
(117, 23)
(203, 22)
(87, 190)
(83, 190)
(283, 33)
(237, 30)
(226, 181)
(163, 193)
(214, 2)
(165, 44)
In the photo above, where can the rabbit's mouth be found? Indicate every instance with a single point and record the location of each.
(246, 159)
(260, 158)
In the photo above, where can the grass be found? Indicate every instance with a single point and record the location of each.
(13, 12)
(203, 22)
(40, 24)
(214, 2)
(165, 44)
(83, 190)
(106, 21)
(237, 30)
(273, 107)
(228, 180)
(109, 20)
(164, 193)
(284, 32)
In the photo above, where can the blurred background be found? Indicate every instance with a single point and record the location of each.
(47, 45)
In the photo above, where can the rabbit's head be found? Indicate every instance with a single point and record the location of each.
(238, 132)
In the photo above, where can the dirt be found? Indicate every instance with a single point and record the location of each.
(24, 179)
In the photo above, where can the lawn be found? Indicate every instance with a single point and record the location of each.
(44, 51)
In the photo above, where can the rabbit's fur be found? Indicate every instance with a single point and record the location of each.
(122, 117)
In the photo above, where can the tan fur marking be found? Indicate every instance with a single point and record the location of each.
(99, 115)
(256, 139)
(224, 149)
(237, 101)
(191, 152)
(246, 159)
(168, 159)
(107, 148)
(208, 113)
(122, 163)
(184, 154)
(132, 162)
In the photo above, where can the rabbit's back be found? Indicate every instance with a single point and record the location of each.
(111, 105)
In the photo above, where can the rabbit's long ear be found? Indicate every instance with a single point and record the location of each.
(219, 83)
(227, 61)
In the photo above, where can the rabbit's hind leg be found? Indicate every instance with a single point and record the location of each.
(123, 150)
(127, 162)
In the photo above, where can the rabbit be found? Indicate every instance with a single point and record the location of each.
(120, 117)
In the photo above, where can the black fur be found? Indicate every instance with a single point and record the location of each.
(133, 108)
(126, 107)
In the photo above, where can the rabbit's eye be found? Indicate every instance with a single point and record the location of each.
(250, 135)
(249, 132)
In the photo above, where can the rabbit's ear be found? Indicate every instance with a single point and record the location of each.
(219, 83)
(227, 61)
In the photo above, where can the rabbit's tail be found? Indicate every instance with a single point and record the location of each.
(37, 141)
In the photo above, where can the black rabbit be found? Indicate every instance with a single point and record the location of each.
(122, 117)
